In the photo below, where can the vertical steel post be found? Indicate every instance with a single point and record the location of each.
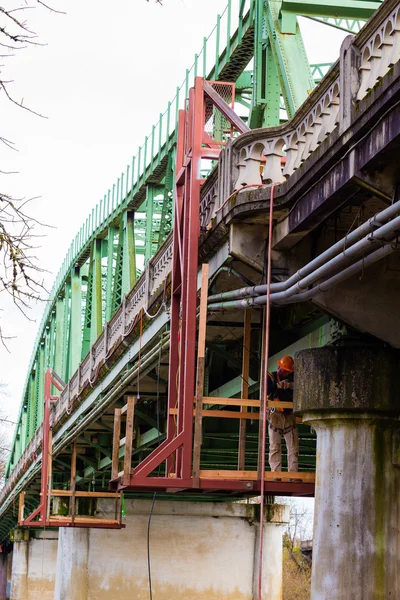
(129, 253)
(96, 320)
(75, 321)
(217, 47)
(110, 271)
(150, 193)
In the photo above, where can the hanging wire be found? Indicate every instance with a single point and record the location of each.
(155, 493)
(264, 389)
(148, 547)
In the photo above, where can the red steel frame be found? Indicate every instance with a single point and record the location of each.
(43, 510)
(193, 146)
(176, 452)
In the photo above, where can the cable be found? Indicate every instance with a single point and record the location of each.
(155, 493)
(148, 547)
(264, 390)
(236, 192)
(139, 353)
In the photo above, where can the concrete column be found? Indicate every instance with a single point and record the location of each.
(207, 551)
(351, 396)
(42, 559)
(34, 564)
(3, 575)
(19, 576)
(72, 564)
(9, 574)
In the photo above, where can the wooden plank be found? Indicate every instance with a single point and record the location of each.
(221, 414)
(201, 348)
(60, 519)
(84, 494)
(231, 401)
(122, 442)
(115, 449)
(130, 415)
(124, 409)
(73, 482)
(279, 404)
(244, 388)
(306, 477)
(21, 508)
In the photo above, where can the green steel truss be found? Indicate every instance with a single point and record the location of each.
(256, 43)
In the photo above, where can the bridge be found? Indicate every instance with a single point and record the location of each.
(235, 236)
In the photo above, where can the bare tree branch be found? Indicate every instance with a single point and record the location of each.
(21, 277)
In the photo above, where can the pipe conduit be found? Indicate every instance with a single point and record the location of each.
(293, 289)
(372, 225)
(324, 286)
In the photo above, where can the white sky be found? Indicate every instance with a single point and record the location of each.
(102, 80)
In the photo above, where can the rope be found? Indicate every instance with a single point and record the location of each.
(236, 192)
(139, 353)
(264, 408)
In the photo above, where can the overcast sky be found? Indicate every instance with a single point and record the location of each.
(102, 79)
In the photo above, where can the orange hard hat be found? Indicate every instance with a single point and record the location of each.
(286, 363)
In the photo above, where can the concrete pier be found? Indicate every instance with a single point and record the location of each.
(206, 551)
(5, 575)
(34, 564)
(351, 397)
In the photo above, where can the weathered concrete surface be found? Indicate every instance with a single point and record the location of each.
(205, 551)
(72, 563)
(19, 577)
(34, 565)
(369, 303)
(4, 574)
(349, 396)
(348, 378)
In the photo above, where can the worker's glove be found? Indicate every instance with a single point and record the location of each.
(285, 385)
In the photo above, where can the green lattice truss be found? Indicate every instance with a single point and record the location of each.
(259, 46)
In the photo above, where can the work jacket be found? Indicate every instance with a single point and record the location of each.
(274, 392)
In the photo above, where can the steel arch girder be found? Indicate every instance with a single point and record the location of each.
(289, 53)
(346, 9)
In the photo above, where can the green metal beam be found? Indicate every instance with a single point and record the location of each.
(75, 321)
(289, 54)
(347, 9)
(60, 365)
(129, 253)
(96, 325)
(110, 270)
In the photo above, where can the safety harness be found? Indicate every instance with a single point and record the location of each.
(283, 431)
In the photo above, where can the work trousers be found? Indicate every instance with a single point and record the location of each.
(283, 423)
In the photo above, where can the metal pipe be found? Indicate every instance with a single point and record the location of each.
(230, 271)
(339, 277)
(384, 234)
(322, 287)
(350, 239)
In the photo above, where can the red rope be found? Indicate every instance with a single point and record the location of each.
(264, 391)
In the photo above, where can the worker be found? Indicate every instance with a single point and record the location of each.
(281, 421)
